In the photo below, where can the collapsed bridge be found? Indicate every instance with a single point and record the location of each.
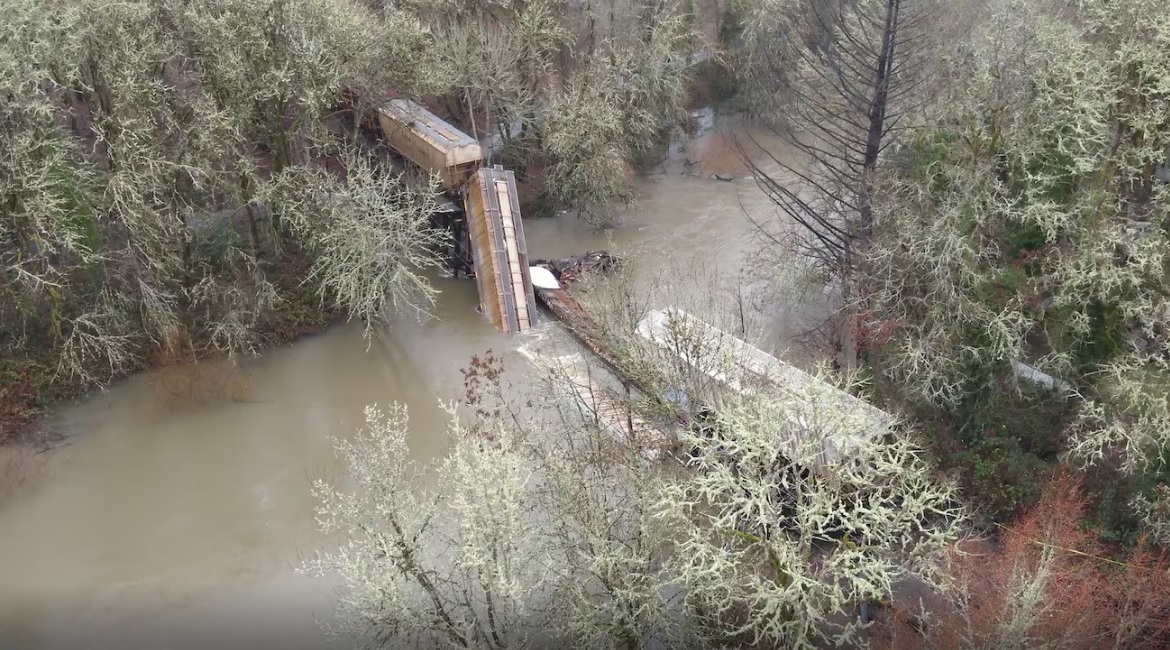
(484, 214)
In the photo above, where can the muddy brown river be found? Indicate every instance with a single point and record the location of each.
(164, 525)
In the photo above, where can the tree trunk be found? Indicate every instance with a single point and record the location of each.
(877, 121)
(257, 250)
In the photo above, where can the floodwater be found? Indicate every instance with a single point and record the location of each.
(165, 524)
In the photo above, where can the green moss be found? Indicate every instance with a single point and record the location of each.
(936, 147)
(993, 405)
(968, 220)
(1009, 280)
(216, 241)
(72, 191)
(1034, 418)
(1057, 168)
(1018, 238)
(927, 153)
(1106, 336)
(1111, 491)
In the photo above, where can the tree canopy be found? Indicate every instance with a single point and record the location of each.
(1027, 223)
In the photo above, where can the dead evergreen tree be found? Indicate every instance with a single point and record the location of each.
(839, 83)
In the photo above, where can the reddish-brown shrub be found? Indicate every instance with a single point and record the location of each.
(1082, 595)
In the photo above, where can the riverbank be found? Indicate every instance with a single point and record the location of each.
(31, 389)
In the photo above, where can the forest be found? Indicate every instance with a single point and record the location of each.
(981, 185)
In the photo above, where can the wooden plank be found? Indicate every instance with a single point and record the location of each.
(608, 410)
(496, 232)
(429, 142)
(481, 242)
(411, 144)
(516, 276)
(499, 264)
(427, 124)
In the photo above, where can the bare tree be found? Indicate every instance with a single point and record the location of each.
(1022, 226)
(1048, 581)
(576, 89)
(840, 82)
(774, 538)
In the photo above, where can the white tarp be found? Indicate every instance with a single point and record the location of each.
(542, 278)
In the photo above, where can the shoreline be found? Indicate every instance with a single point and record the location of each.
(31, 395)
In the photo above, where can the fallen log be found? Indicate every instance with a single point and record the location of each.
(584, 328)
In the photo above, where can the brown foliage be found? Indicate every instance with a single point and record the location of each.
(175, 349)
(181, 379)
(197, 384)
(27, 387)
(22, 468)
(482, 382)
(1082, 597)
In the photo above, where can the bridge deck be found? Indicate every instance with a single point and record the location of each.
(499, 250)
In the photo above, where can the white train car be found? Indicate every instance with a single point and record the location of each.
(832, 421)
